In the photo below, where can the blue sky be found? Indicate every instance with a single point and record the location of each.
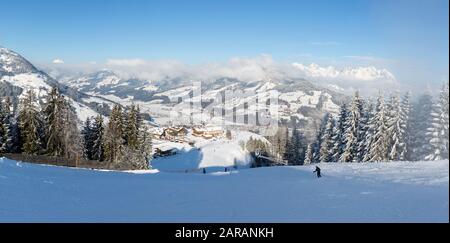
(410, 37)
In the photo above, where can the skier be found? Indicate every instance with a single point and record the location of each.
(318, 172)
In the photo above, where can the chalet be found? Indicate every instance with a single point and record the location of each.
(208, 132)
(173, 133)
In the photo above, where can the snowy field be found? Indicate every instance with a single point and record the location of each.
(381, 192)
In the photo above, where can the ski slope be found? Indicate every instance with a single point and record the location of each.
(379, 192)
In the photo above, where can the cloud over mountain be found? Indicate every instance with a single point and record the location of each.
(262, 67)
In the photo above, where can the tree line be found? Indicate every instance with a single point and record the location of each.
(52, 129)
(365, 130)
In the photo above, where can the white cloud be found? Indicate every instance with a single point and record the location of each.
(348, 78)
(368, 79)
(58, 61)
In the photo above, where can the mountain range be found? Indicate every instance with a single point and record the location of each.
(94, 93)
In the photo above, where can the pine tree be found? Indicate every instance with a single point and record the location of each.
(97, 138)
(364, 131)
(30, 124)
(132, 127)
(420, 123)
(325, 152)
(5, 127)
(436, 132)
(444, 120)
(350, 153)
(404, 127)
(318, 142)
(72, 142)
(369, 134)
(114, 136)
(338, 137)
(380, 142)
(308, 155)
(394, 130)
(88, 139)
(53, 119)
(280, 142)
(145, 147)
(295, 148)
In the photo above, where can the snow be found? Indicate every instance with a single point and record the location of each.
(213, 154)
(378, 192)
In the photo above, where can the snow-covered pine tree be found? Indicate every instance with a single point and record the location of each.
(436, 131)
(394, 128)
(97, 138)
(370, 130)
(325, 152)
(444, 117)
(364, 132)
(420, 122)
(15, 145)
(88, 139)
(319, 135)
(350, 153)
(30, 124)
(145, 147)
(308, 155)
(338, 138)
(5, 125)
(405, 109)
(379, 147)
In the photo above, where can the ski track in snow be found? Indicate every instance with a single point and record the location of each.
(378, 192)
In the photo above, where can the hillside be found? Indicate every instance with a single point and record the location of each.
(378, 192)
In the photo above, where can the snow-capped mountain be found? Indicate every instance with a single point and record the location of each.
(18, 75)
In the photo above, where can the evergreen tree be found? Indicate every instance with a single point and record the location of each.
(350, 153)
(444, 120)
(319, 136)
(380, 142)
(114, 136)
(295, 148)
(437, 132)
(280, 142)
(132, 127)
(72, 142)
(53, 120)
(325, 152)
(370, 130)
(420, 123)
(338, 137)
(394, 130)
(145, 147)
(5, 127)
(365, 132)
(97, 139)
(308, 155)
(88, 139)
(404, 127)
(30, 124)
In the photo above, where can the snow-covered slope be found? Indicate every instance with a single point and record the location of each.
(379, 192)
(214, 155)
(18, 75)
